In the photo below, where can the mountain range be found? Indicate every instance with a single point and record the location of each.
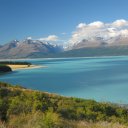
(99, 41)
(28, 49)
(95, 46)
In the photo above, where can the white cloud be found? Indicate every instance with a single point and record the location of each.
(50, 38)
(96, 24)
(99, 29)
(120, 23)
(81, 25)
(29, 38)
(124, 32)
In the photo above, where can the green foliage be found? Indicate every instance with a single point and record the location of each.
(51, 119)
(53, 109)
(4, 68)
(3, 109)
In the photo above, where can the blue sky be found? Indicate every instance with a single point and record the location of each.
(20, 19)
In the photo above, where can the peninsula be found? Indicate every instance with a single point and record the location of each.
(8, 66)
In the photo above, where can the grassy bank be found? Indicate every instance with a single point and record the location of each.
(20, 107)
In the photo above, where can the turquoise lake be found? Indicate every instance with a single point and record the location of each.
(99, 78)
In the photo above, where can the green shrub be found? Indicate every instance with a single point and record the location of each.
(53, 110)
(4, 68)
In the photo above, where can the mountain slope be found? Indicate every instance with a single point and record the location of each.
(94, 52)
(26, 48)
(98, 42)
(37, 49)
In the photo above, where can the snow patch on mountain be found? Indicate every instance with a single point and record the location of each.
(98, 33)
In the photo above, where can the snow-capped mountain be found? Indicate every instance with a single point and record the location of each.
(99, 41)
(28, 48)
(97, 34)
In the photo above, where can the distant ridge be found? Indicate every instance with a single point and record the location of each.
(96, 51)
(27, 49)
(91, 52)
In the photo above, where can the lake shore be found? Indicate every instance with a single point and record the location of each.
(21, 67)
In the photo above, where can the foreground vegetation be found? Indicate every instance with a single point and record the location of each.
(24, 108)
(14, 63)
(5, 68)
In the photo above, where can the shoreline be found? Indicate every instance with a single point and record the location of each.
(65, 57)
(22, 67)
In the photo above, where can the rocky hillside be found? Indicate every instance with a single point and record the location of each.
(27, 49)
(95, 46)
(98, 42)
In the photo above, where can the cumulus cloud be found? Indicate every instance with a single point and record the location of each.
(29, 38)
(96, 24)
(120, 23)
(81, 25)
(50, 38)
(124, 32)
(99, 29)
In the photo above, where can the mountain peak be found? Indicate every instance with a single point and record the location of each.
(99, 40)
(28, 48)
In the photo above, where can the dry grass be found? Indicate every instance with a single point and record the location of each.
(37, 122)
(99, 125)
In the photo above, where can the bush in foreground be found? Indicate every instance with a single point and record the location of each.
(20, 107)
(4, 68)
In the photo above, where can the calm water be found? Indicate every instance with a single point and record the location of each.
(102, 79)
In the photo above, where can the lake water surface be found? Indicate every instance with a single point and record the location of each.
(99, 78)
